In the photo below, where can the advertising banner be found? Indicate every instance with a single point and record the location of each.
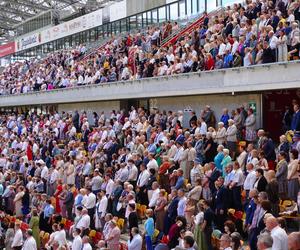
(29, 41)
(7, 49)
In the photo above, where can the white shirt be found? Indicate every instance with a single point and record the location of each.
(143, 178)
(60, 237)
(90, 201)
(102, 206)
(45, 173)
(77, 243)
(87, 246)
(155, 196)
(29, 244)
(18, 239)
(238, 177)
(273, 42)
(250, 180)
(152, 164)
(54, 176)
(109, 187)
(280, 239)
(84, 222)
(133, 173)
(135, 243)
(181, 206)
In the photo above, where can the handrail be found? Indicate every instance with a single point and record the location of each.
(158, 78)
(190, 27)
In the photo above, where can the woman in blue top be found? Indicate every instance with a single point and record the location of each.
(226, 160)
(149, 229)
(219, 157)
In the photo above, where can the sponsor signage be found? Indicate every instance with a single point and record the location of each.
(94, 19)
(29, 41)
(7, 49)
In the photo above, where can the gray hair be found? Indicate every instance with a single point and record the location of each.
(266, 239)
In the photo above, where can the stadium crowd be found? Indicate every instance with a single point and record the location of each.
(67, 181)
(258, 32)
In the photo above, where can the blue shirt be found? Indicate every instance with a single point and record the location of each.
(48, 211)
(218, 159)
(228, 59)
(224, 119)
(149, 227)
(179, 182)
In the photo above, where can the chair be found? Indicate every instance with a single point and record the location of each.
(92, 233)
(63, 221)
(143, 211)
(120, 223)
(45, 238)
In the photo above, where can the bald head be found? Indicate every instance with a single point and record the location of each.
(271, 223)
(294, 240)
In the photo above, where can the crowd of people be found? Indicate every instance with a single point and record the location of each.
(217, 184)
(259, 32)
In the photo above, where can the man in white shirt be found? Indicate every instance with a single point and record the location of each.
(236, 184)
(54, 176)
(86, 245)
(155, 194)
(250, 179)
(136, 242)
(84, 221)
(109, 186)
(90, 205)
(77, 241)
(152, 163)
(132, 172)
(18, 238)
(143, 177)
(225, 242)
(279, 236)
(181, 203)
(30, 243)
(101, 208)
(60, 236)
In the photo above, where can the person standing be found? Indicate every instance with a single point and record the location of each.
(250, 126)
(18, 238)
(77, 241)
(101, 208)
(293, 176)
(34, 225)
(30, 243)
(136, 241)
(281, 175)
(279, 236)
(206, 226)
(113, 239)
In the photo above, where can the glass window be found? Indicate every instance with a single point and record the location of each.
(201, 4)
(124, 25)
(182, 6)
(226, 3)
(154, 16)
(211, 5)
(162, 14)
(132, 22)
(174, 11)
(149, 18)
(188, 7)
(194, 6)
(139, 21)
(145, 23)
